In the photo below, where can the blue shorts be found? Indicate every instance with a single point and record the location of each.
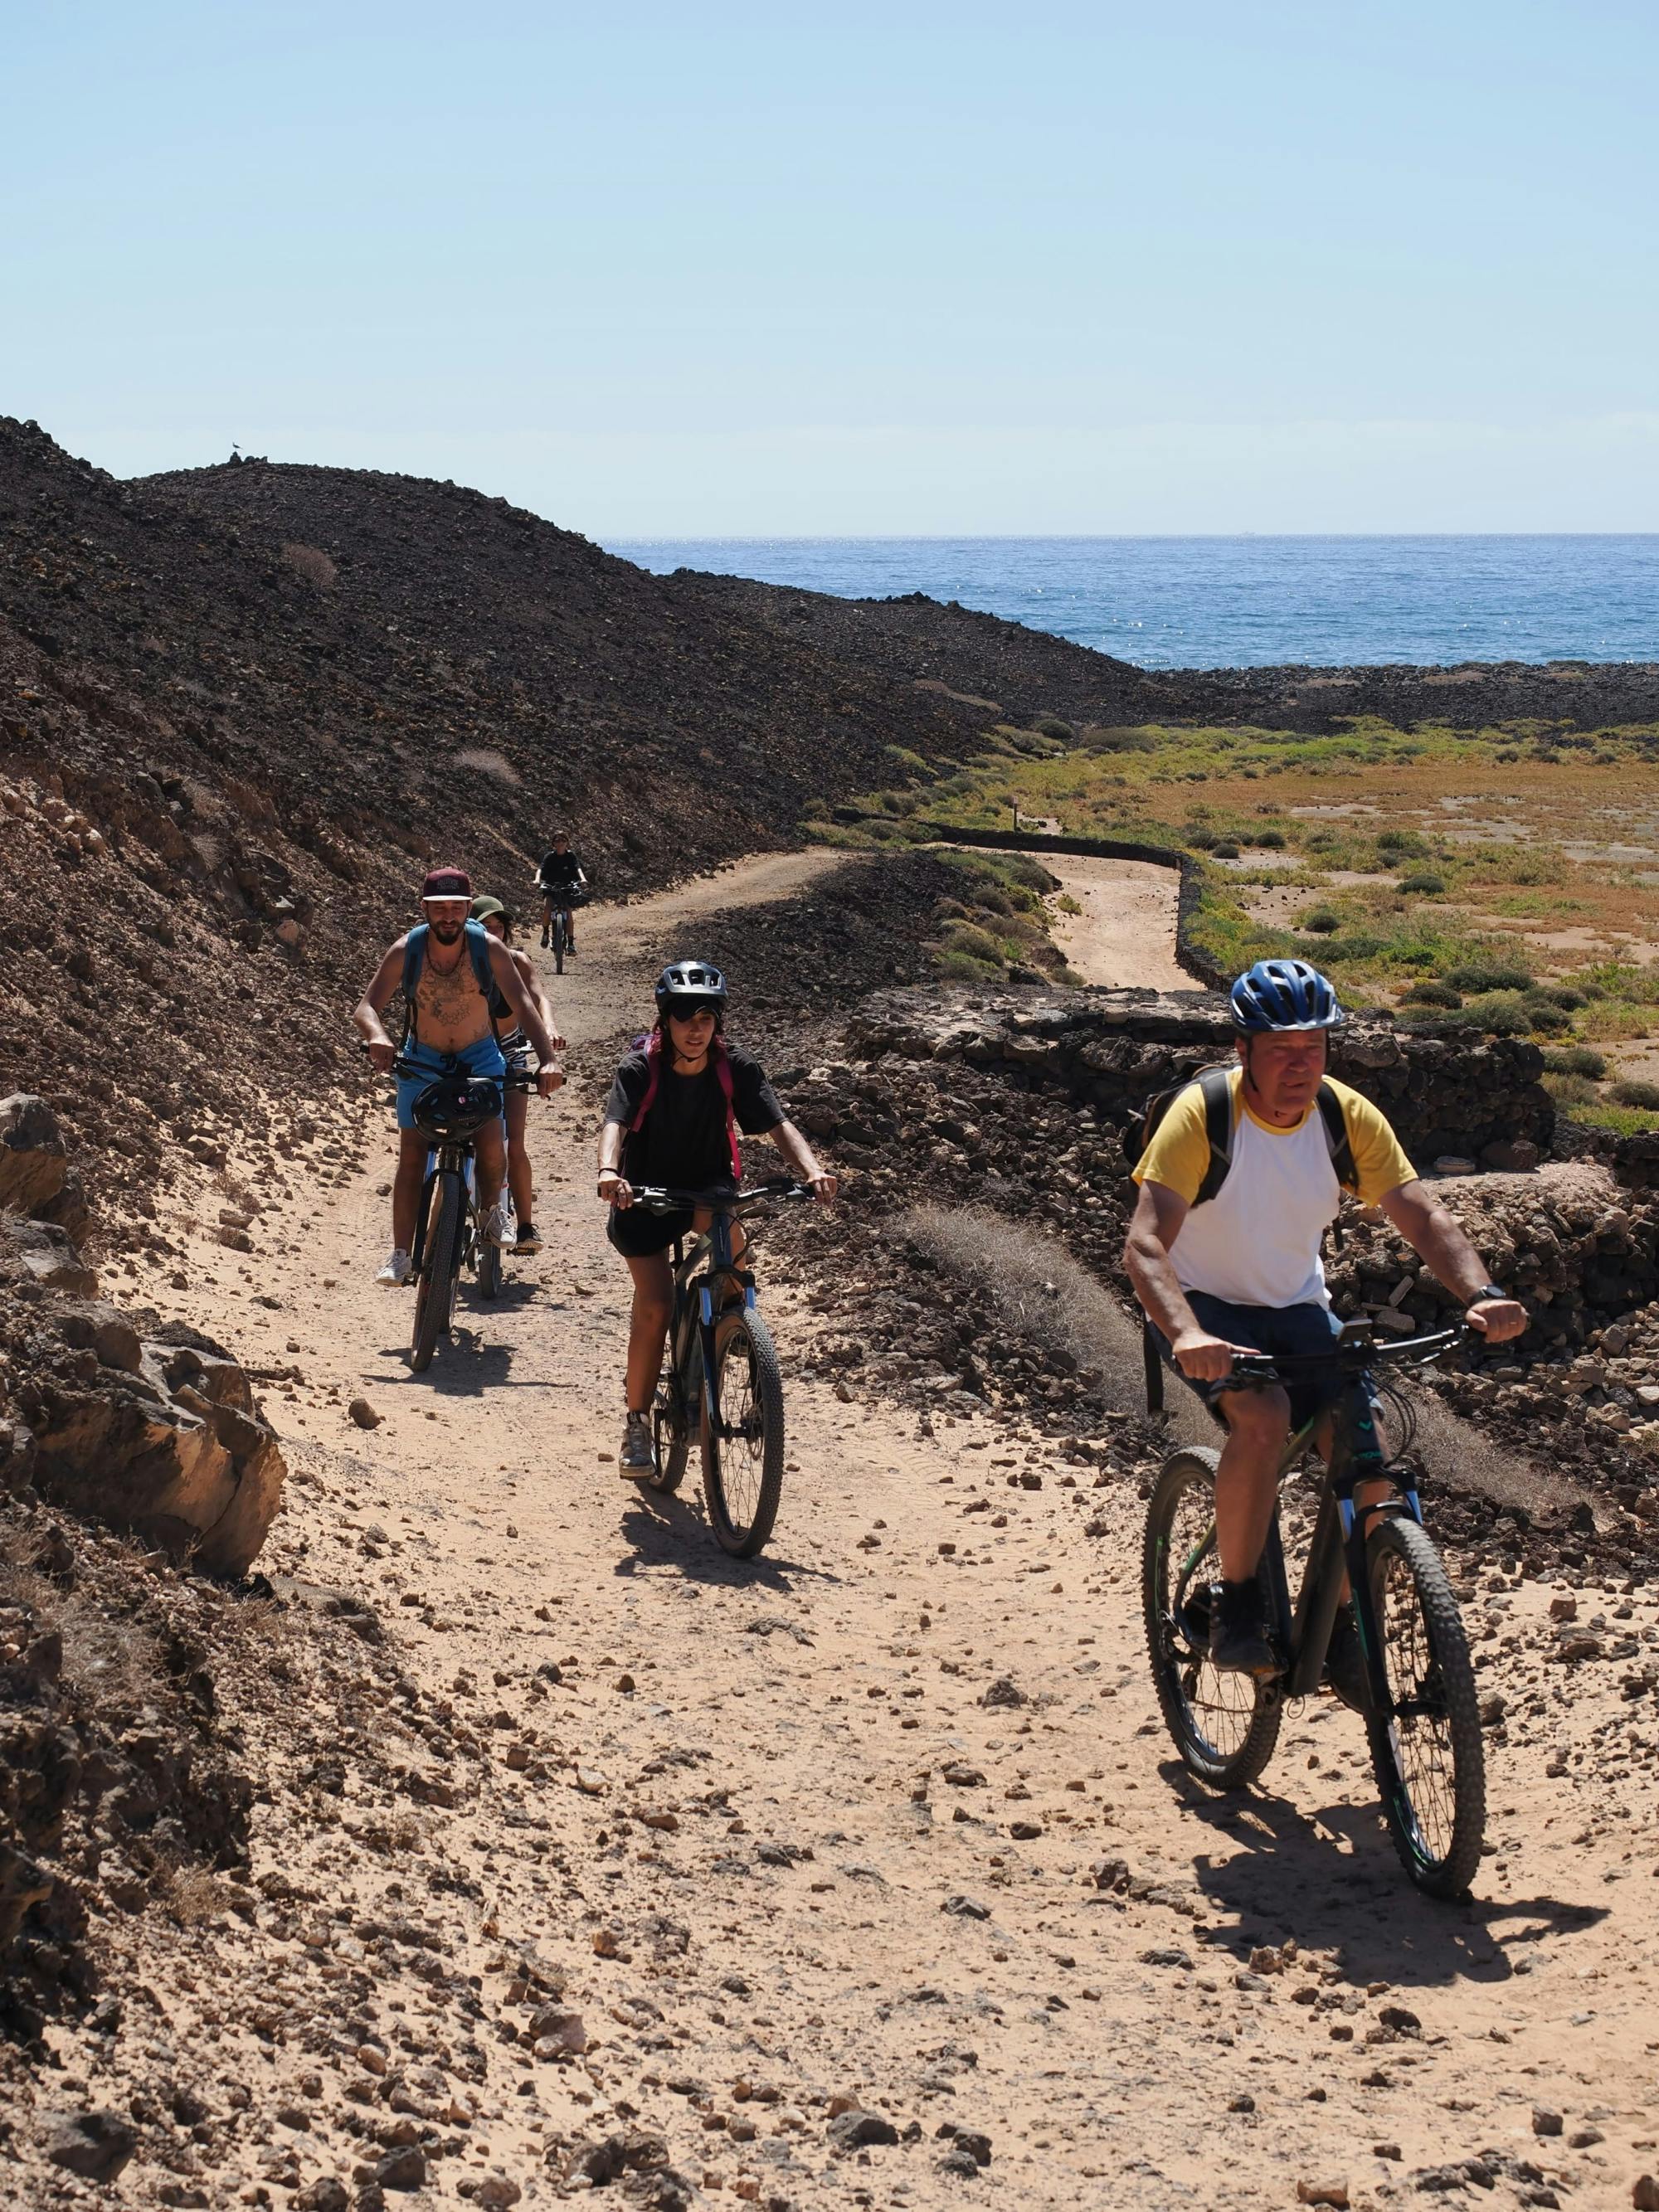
(1270, 1329)
(483, 1057)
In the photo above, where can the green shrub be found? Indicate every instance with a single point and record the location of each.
(1356, 946)
(1426, 992)
(1424, 884)
(911, 763)
(1100, 740)
(1054, 726)
(1574, 1059)
(1568, 1090)
(816, 810)
(1401, 840)
(1480, 976)
(1272, 840)
(1504, 1013)
(1562, 995)
(961, 967)
(1225, 852)
(1322, 919)
(978, 944)
(1543, 1011)
(1202, 839)
(1633, 1092)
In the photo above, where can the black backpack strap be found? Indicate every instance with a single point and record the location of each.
(1336, 1136)
(1216, 1084)
(1153, 1362)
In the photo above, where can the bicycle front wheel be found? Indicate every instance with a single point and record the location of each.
(435, 1292)
(1224, 1725)
(743, 1456)
(489, 1265)
(1427, 1752)
(558, 944)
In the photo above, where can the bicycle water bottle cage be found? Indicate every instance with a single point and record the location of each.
(456, 1107)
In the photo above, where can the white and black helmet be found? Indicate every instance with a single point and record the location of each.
(685, 985)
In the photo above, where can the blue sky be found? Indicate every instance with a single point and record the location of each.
(911, 268)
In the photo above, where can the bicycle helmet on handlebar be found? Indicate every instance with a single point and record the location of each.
(1284, 994)
(684, 984)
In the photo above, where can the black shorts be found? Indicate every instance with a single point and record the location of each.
(637, 1233)
(1288, 1329)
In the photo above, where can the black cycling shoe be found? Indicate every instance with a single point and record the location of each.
(544, 940)
(1345, 1662)
(1238, 1630)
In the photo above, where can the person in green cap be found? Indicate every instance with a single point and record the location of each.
(520, 1059)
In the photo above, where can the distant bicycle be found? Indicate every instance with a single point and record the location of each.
(721, 1382)
(449, 1231)
(1421, 1713)
(558, 932)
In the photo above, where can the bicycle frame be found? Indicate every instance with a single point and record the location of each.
(709, 1264)
(1341, 1528)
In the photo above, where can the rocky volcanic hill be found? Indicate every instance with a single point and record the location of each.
(964, 655)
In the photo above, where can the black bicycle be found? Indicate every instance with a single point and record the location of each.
(1421, 1713)
(723, 1381)
(557, 929)
(449, 1230)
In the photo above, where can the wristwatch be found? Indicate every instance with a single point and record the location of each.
(1488, 1290)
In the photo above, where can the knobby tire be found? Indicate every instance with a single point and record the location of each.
(1429, 1761)
(674, 1446)
(489, 1263)
(743, 1476)
(558, 945)
(1223, 1726)
(436, 1293)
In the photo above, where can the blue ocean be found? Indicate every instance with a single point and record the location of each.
(1244, 601)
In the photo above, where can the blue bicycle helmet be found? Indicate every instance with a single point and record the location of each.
(1284, 994)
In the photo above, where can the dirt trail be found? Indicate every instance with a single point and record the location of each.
(886, 1816)
(1124, 934)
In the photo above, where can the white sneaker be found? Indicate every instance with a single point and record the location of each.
(498, 1224)
(395, 1273)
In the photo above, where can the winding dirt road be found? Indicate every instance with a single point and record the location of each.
(884, 1822)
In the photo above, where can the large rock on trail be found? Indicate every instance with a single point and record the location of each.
(160, 1438)
(32, 1164)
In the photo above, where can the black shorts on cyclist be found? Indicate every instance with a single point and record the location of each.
(1283, 1329)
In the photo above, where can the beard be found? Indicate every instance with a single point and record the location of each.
(448, 933)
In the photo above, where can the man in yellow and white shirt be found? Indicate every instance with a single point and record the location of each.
(1241, 1271)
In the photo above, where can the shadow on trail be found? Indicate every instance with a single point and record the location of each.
(1290, 1874)
(663, 1531)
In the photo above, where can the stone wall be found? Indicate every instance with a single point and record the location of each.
(1480, 1102)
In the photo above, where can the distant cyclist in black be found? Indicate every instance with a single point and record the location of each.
(674, 1110)
(559, 877)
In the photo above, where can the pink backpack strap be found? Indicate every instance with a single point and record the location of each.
(722, 1076)
(653, 1080)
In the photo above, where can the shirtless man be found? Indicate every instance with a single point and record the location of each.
(449, 1032)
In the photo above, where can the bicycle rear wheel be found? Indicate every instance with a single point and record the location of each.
(1224, 1725)
(435, 1292)
(1428, 1754)
(743, 1461)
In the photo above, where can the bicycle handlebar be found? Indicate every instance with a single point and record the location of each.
(510, 1080)
(659, 1198)
(1270, 1367)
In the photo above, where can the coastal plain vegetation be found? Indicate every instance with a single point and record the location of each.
(1505, 881)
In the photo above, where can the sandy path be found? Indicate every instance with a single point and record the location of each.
(1125, 932)
(736, 1826)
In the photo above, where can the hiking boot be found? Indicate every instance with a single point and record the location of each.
(1238, 1630)
(1345, 1662)
(544, 940)
(498, 1223)
(638, 1455)
(394, 1271)
(528, 1242)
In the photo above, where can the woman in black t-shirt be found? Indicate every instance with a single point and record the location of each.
(675, 1109)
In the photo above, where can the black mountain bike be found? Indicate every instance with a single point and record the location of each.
(722, 1383)
(560, 933)
(1420, 1709)
(449, 1232)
